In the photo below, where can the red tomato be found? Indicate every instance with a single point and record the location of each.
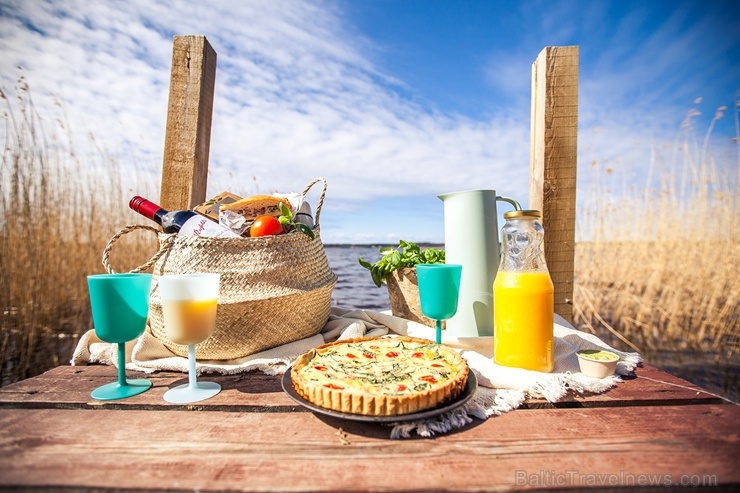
(428, 378)
(265, 226)
(391, 354)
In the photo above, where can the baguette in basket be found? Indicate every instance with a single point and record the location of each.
(257, 205)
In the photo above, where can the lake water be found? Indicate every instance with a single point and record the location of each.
(355, 288)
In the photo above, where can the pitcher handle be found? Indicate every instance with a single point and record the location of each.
(513, 202)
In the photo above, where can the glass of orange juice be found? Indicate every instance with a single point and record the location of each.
(523, 299)
(189, 303)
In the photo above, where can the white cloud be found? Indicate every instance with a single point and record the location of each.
(295, 97)
(298, 95)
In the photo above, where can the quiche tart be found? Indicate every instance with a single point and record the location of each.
(380, 376)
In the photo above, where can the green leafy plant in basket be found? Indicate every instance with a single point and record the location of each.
(407, 254)
(288, 222)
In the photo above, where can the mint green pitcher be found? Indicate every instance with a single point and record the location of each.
(471, 240)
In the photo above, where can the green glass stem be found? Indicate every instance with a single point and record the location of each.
(439, 332)
(122, 364)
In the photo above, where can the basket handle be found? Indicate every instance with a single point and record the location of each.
(163, 247)
(321, 198)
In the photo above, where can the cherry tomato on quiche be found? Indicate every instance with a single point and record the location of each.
(265, 226)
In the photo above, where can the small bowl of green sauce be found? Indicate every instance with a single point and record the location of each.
(597, 363)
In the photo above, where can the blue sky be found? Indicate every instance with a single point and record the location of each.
(393, 101)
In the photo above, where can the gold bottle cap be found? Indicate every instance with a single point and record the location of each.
(530, 213)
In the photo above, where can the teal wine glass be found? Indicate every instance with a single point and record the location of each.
(120, 305)
(439, 288)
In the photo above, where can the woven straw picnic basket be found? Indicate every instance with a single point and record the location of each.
(273, 290)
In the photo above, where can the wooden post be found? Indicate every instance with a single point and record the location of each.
(188, 138)
(554, 143)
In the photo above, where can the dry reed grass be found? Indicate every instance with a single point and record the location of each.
(659, 272)
(659, 267)
(58, 209)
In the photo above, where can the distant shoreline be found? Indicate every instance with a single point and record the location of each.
(379, 245)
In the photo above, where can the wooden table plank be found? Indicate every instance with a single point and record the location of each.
(67, 387)
(70, 387)
(648, 387)
(303, 452)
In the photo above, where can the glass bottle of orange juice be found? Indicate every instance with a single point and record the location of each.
(523, 301)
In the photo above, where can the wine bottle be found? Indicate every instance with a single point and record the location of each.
(180, 222)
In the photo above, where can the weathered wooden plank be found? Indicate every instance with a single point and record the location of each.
(189, 114)
(649, 387)
(553, 163)
(156, 450)
(69, 387)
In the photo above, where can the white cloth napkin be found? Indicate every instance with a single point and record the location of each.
(500, 389)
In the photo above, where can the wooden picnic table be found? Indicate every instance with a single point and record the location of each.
(653, 429)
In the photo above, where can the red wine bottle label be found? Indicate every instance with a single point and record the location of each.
(202, 226)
